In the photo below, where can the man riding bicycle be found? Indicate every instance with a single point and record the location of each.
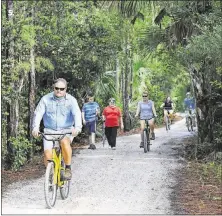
(189, 106)
(61, 113)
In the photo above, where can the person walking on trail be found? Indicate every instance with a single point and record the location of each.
(113, 118)
(167, 106)
(61, 113)
(90, 111)
(146, 110)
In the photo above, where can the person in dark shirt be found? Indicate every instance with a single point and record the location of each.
(167, 106)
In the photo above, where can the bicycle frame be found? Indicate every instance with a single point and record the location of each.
(147, 127)
(56, 158)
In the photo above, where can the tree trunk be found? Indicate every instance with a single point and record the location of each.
(32, 86)
(126, 117)
(205, 100)
(117, 74)
(10, 119)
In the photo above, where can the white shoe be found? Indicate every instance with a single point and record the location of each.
(113, 148)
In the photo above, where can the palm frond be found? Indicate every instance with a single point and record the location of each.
(126, 8)
(160, 16)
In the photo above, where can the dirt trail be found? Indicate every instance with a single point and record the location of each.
(105, 181)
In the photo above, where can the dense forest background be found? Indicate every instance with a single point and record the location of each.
(113, 49)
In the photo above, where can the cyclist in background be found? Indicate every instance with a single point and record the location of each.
(167, 106)
(61, 113)
(90, 111)
(189, 106)
(146, 110)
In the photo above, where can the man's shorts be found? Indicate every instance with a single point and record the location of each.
(49, 144)
(91, 127)
(190, 112)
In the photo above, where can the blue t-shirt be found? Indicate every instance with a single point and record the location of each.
(89, 110)
(189, 103)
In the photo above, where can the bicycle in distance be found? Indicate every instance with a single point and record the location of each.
(168, 120)
(190, 119)
(54, 176)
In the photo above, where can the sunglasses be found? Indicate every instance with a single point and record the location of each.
(145, 96)
(61, 89)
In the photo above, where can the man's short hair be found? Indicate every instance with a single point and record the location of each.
(90, 94)
(60, 80)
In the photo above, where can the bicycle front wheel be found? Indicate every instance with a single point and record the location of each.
(148, 141)
(145, 141)
(50, 188)
(64, 189)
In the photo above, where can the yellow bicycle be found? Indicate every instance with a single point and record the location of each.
(54, 176)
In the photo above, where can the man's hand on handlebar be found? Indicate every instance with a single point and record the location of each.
(35, 133)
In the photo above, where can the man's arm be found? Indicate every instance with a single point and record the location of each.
(97, 110)
(76, 115)
(38, 114)
(83, 117)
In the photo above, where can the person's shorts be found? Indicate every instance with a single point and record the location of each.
(142, 122)
(49, 144)
(170, 111)
(189, 112)
(91, 127)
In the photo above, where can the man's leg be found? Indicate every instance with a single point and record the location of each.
(142, 126)
(47, 151)
(93, 135)
(47, 156)
(67, 155)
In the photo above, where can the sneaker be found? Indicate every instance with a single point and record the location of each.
(141, 145)
(153, 136)
(92, 146)
(68, 174)
(114, 148)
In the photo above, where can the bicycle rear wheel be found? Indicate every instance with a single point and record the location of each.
(64, 189)
(189, 123)
(167, 123)
(145, 146)
(50, 188)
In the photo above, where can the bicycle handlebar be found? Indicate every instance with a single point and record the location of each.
(54, 139)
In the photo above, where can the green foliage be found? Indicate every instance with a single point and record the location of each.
(21, 147)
